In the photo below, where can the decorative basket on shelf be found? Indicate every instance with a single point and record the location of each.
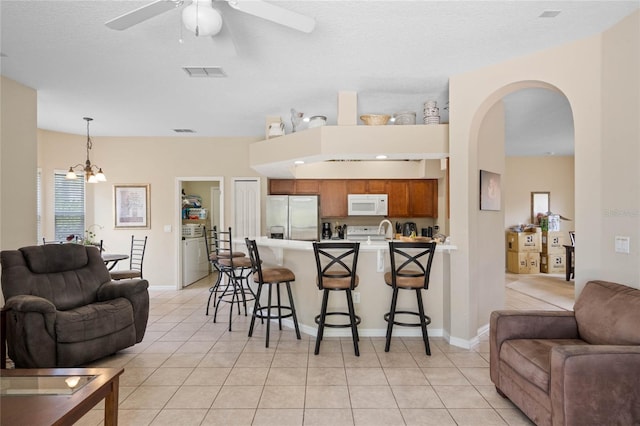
(375, 119)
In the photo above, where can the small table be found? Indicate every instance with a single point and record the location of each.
(112, 259)
(569, 270)
(57, 396)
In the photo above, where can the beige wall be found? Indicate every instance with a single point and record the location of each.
(155, 161)
(18, 122)
(546, 174)
(578, 71)
(619, 181)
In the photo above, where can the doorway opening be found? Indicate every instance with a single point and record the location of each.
(207, 193)
(539, 161)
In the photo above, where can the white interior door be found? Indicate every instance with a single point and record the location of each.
(215, 208)
(246, 206)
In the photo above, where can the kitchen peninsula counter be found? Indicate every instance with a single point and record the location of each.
(375, 295)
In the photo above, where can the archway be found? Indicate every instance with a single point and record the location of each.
(487, 151)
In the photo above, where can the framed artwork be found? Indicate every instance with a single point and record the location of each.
(131, 206)
(490, 191)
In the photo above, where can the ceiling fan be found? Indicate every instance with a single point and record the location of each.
(203, 19)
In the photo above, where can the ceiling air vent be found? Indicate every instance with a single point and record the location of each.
(204, 71)
(184, 130)
(549, 14)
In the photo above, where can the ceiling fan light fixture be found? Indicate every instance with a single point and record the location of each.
(201, 18)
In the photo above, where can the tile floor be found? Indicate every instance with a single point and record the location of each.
(190, 371)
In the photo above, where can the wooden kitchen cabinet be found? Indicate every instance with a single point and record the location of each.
(367, 186)
(423, 198)
(294, 186)
(407, 197)
(377, 186)
(398, 191)
(307, 186)
(356, 186)
(333, 198)
(282, 186)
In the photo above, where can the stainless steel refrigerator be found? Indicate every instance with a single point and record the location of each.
(296, 215)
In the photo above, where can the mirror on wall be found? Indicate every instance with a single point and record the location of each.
(540, 202)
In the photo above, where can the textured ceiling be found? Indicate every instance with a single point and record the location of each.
(395, 54)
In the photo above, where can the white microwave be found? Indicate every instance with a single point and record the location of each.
(367, 204)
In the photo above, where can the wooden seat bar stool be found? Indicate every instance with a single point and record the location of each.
(270, 276)
(410, 270)
(237, 270)
(336, 264)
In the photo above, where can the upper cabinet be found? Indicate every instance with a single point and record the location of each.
(423, 198)
(282, 186)
(398, 191)
(407, 197)
(294, 186)
(333, 198)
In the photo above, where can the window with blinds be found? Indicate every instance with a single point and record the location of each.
(69, 206)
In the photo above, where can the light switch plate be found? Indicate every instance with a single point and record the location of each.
(622, 244)
(167, 228)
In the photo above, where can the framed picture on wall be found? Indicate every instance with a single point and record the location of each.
(490, 191)
(131, 206)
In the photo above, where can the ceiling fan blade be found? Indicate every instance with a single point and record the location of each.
(275, 14)
(141, 14)
(223, 43)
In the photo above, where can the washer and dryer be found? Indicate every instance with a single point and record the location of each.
(195, 264)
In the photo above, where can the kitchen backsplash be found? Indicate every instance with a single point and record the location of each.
(375, 221)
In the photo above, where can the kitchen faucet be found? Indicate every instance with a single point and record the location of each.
(382, 222)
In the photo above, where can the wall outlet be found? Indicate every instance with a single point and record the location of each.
(356, 296)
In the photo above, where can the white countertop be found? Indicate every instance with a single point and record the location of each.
(307, 245)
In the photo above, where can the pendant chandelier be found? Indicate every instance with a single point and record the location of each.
(87, 168)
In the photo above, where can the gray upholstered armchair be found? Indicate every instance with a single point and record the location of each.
(572, 368)
(63, 309)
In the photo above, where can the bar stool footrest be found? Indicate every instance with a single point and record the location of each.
(259, 314)
(346, 325)
(407, 324)
(229, 293)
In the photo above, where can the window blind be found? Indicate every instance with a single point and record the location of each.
(69, 206)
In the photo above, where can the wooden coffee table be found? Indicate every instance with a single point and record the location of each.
(43, 397)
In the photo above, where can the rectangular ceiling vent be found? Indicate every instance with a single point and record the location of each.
(184, 130)
(549, 14)
(204, 71)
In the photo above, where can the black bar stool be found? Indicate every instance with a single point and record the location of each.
(269, 276)
(336, 264)
(237, 270)
(212, 244)
(410, 270)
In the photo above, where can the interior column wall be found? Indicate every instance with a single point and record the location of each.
(489, 250)
(471, 97)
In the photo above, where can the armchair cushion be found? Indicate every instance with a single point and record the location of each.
(608, 315)
(530, 357)
(95, 320)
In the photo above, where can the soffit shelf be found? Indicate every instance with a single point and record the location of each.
(275, 157)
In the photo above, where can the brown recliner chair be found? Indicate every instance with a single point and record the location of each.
(572, 368)
(63, 310)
